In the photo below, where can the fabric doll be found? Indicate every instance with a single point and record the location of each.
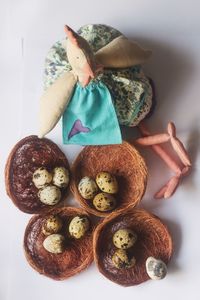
(94, 79)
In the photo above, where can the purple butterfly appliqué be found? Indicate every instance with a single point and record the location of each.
(77, 128)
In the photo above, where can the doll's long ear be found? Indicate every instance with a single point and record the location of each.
(54, 101)
(72, 35)
(122, 53)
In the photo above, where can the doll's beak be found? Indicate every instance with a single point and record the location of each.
(87, 69)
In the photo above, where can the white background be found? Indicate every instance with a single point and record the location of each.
(172, 30)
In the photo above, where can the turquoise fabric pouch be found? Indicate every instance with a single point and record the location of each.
(90, 117)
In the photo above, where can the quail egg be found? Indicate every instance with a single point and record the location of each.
(78, 226)
(156, 268)
(41, 177)
(54, 243)
(124, 238)
(49, 195)
(121, 259)
(107, 182)
(87, 188)
(52, 224)
(104, 202)
(61, 177)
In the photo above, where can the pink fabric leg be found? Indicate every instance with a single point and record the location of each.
(153, 139)
(177, 145)
(147, 140)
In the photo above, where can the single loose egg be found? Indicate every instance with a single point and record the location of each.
(52, 224)
(54, 243)
(41, 177)
(156, 268)
(87, 188)
(124, 238)
(61, 177)
(104, 202)
(107, 182)
(78, 226)
(49, 195)
(121, 259)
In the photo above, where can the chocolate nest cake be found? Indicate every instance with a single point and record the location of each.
(78, 253)
(124, 162)
(26, 157)
(153, 240)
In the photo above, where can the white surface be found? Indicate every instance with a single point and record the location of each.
(172, 30)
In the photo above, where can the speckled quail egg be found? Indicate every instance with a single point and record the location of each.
(104, 202)
(124, 238)
(87, 188)
(54, 243)
(121, 259)
(78, 226)
(61, 177)
(107, 182)
(49, 195)
(156, 268)
(41, 177)
(52, 224)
